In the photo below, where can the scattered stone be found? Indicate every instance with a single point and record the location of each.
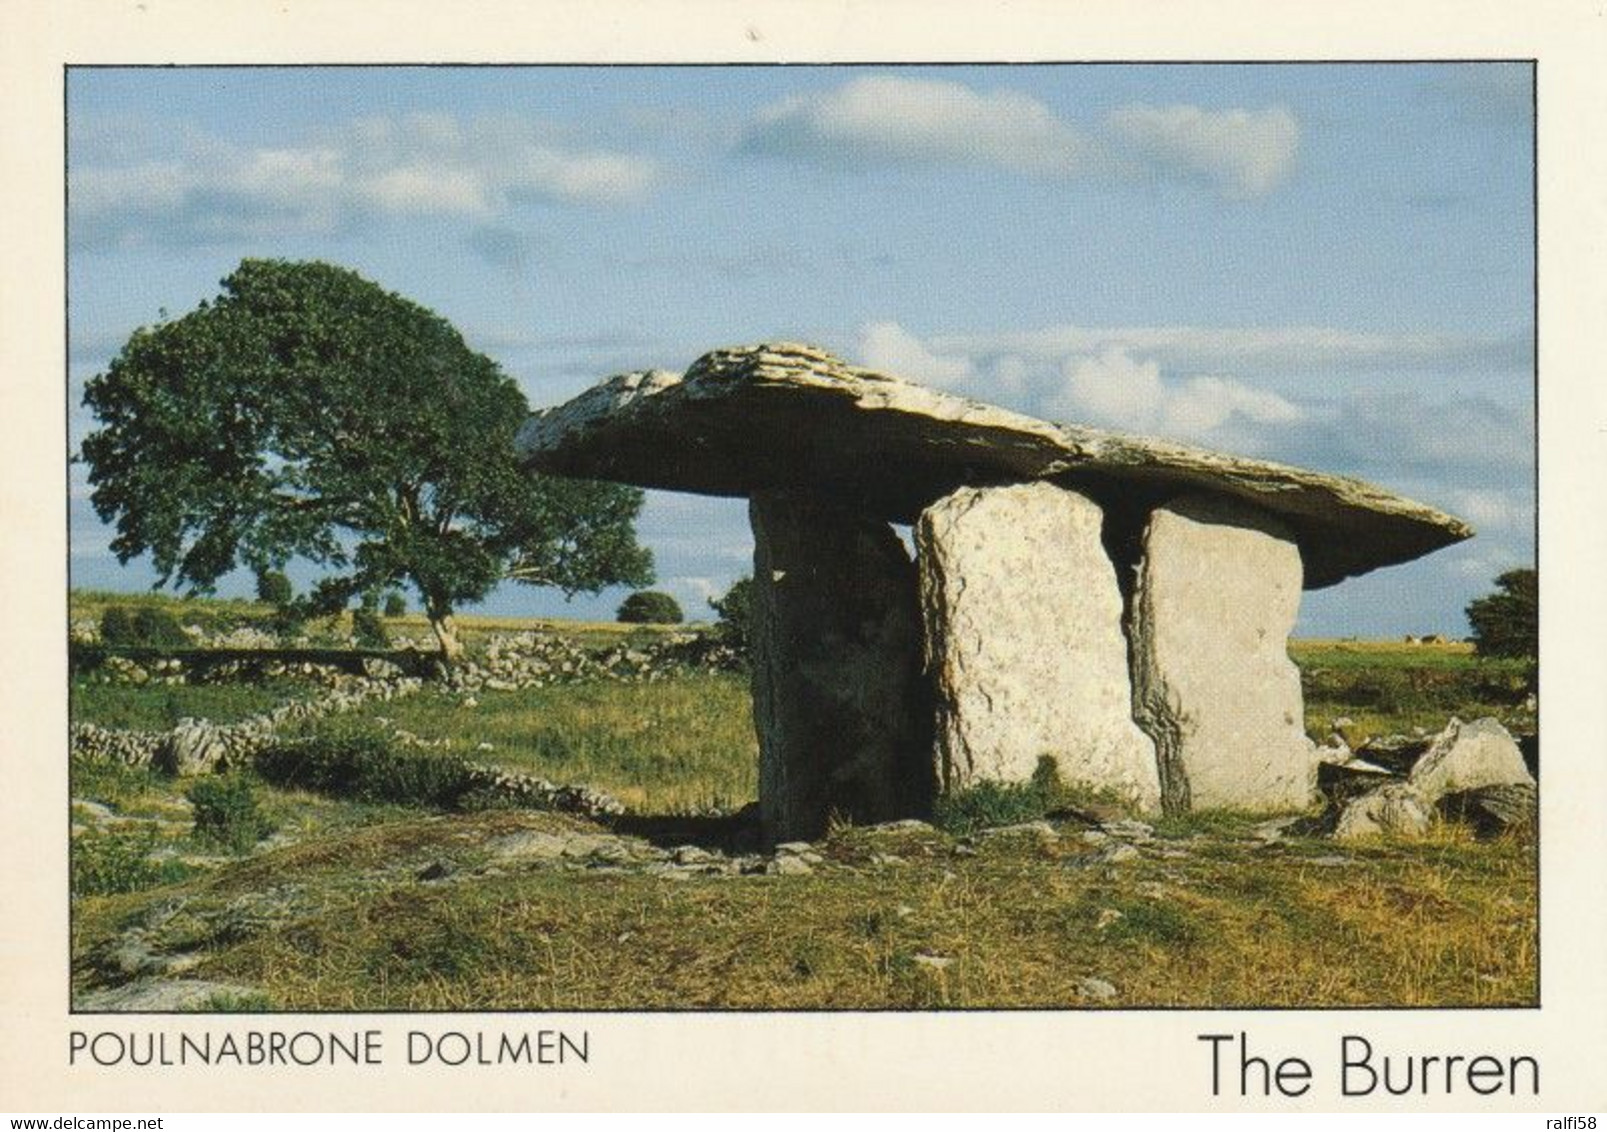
(902, 825)
(1332, 861)
(436, 870)
(1024, 639)
(1218, 589)
(1395, 809)
(790, 867)
(1094, 837)
(1128, 830)
(1040, 829)
(1114, 853)
(1107, 917)
(933, 962)
(1466, 756)
(1091, 986)
(157, 995)
(1494, 810)
(528, 845)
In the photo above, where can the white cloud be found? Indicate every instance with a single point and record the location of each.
(1285, 350)
(1118, 391)
(886, 119)
(420, 165)
(888, 346)
(1494, 510)
(1242, 153)
(882, 118)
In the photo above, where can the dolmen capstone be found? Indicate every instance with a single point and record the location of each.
(1118, 605)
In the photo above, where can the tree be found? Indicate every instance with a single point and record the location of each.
(650, 607)
(307, 412)
(1507, 623)
(273, 588)
(735, 613)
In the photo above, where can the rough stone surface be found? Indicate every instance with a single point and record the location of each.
(1396, 809)
(1493, 810)
(1024, 641)
(1466, 756)
(791, 417)
(841, 707)
(153, 995)
(1217, 593)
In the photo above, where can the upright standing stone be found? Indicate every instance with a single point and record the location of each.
(1024, 639)
(1217, 594)
(839, 701)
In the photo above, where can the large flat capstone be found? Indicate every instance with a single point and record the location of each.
(793, 418)
(843, 713)
(1025, 645)
(1218, 589)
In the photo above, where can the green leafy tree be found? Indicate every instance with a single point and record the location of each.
(735, 613)
(395, 604)
(273, 588)
(650, 607)
(307, 412)
(1507, 623)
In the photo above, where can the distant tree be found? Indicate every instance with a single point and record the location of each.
(273, 588)
(650, 607)
(395, 604)
(306, 412)
(1507, 623)
(368, 629)
(735, 613)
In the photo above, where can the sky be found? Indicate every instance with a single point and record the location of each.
(1328, 265)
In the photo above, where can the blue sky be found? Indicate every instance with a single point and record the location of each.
(1329, 265)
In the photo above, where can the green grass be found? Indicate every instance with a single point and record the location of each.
(158, 707)
(1439, 921)
(1443, 922)
(1386, 687)
(661, 747)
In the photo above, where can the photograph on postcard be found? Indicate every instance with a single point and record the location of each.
(807, 538)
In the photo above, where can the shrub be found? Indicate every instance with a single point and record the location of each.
(157, 628)
(273, 588)
(395, 604)
(117, 626)
(369, 629)
(735, 614)
(1507, 623)
(145, 627)
(226, 812)
(107, 861)
(358, 761)
(650, 607)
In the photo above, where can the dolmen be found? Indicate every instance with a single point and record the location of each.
(1119, 605)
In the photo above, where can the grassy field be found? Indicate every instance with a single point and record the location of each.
(358, 905)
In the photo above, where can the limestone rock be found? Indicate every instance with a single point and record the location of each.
(1493, 810)
(1466, 756)
(791, 417)
(194, 747)
(1217, 592)
(1395, 809)
(842, 710)
(159, 995)
(1025, 644)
